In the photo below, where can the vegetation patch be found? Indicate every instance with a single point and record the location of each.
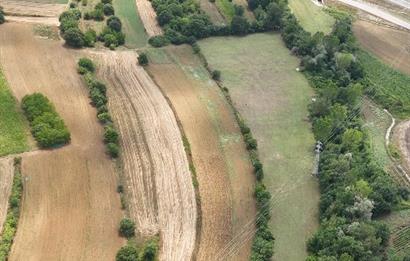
(13, 135)
(13, 212)
(227, 8)
(98, 96)
(47, 126)
(2, 19)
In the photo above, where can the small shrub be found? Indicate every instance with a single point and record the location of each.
(120, 189)
(74, 37)
(150, 250)
(90, 37)
(2, 19)
(106, 1)
(114, 23)
(73, 5)
(108, 9)
(127, 228)
(196, 48)
(143, 59)
(113, 150)
(104, 117)
(110, 41)
(158, 41)
(127, 253)
(216, 75)
(110, 135)
(86, 64)
(84, 2)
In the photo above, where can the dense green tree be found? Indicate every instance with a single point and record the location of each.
(127, 228)
(127, 253)
(239, 25)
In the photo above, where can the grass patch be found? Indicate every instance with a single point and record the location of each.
(272, 98)
(226, 8)
(387, 86)
(13, 134)
(13, 212)
(132, 24)
(311, 17)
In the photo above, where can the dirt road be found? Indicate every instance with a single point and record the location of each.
(6, 182)
(148, 17)
(161, 193)
(222, 166)
(70, 208)
(374, 10)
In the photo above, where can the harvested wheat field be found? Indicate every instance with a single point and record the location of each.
(390, 45)
(222, 166)
(6, 182)
(159, 183)
(70, 208)
(148, 17)
(27, 8)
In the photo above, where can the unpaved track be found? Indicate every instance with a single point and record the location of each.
(148, 17)
(27, 8)
(155, 163)
(70, 209)
(6, 182)
(222, 166)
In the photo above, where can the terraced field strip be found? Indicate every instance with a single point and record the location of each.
(162, 196)
(273, 98)
(212, 11)
(148, 17)
(312, 17)
(28, 8)
(390, 45)
(221, 162)
(70, 208)
(6, 182)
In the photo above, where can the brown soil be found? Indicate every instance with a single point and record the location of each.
(222, 166)
(387, 43)
(27, 8)
(148, 17)
(212, 11)
(70, 208)
(6, 182)
(52, 21)
(161, 193)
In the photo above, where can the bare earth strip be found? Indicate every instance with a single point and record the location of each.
(222, 166)
(27, 8)
(212, 11)
(155, 163)
(148, 17)
(70, 208)
(387, 43)
(6, 182)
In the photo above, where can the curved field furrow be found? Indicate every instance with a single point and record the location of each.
(152, 140)
(6, 182)
(70, 208)
(148, 17)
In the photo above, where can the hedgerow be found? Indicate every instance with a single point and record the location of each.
(46, 125)
(13, 212)
(98, 96)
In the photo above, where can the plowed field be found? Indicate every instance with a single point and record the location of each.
(27, 8)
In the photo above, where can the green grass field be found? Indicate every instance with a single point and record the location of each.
(132, 25)
(226, 8)
(273, 97)
(13, 129)
(312, 17)
(388, 87)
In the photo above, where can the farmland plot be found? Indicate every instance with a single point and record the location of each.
(28, 8)
(70, 208)
(148, 17)
(273, 97)
(160, 189)
(221, 162)
(6, 182)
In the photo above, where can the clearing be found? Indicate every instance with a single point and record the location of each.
(6, 182)
(223, 169)
(159, 184)
(273, 98)
(312, 17)
(70, 208)
(148, 17)
(131, 23)
(390, 45)
(13, 129)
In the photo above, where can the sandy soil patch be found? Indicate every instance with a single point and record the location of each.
(27, 8)
(386, 43)
(222, 166)
(70, 208)
(6, 182)
(162, 196)
(148, 17)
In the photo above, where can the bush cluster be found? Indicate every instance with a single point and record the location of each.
(2, 19)
(130, 252)
(112, 35)
(98, 96)
(127, 228)
(69, 28)
(47, 127)
(354, 188)
(13, 212)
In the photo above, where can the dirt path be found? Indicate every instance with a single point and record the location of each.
(6, 182)
(148, 17)
(27, 8)
(155, 163)
(222, 166)
(70, 208)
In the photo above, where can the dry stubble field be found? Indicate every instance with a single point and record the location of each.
(6, 182)
(156, 169)
(222, 165)
(148, 17)
(70, 208)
